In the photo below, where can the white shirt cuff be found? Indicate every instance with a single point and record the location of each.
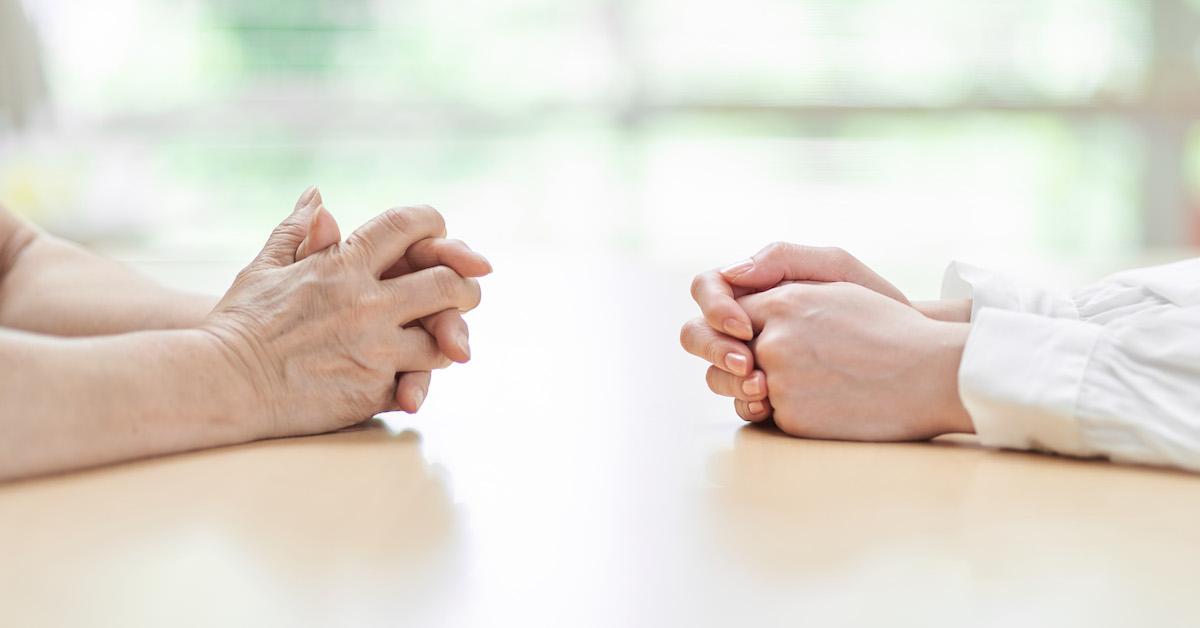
(988, 289)
(1020, 379)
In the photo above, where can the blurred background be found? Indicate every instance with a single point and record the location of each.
(1054, 138)
(600, 152)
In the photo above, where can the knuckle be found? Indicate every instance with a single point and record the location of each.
(447, 284)
(787, 296)
(398, 219)
(775, 302)
(794, 291)
(360, 242)
(421, 215)
(769, 351)
(312, 286)
(775, 249)
(434, 356)
(840, 257)
(439, 221)
(292, 229)
(247, 273)
(440, 361)
(698, 283)
(714, 353)
(688, 333)
(366, 303)
(710, 377)
(473, 293)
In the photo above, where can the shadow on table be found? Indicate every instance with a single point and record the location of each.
(356, 520)
(785, 507)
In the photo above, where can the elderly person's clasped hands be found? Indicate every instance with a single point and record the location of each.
(317, 333)
(325, 333)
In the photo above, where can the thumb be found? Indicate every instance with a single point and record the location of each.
(323, 232)
(281, 247)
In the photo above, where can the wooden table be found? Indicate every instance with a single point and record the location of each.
(578, 474)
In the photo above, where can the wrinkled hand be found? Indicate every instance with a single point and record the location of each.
(320, 340)
(720, 336)
(845, 362)
(447, 327)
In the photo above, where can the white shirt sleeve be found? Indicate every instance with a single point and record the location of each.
(1121, 295)
(988, 289)
(1111, 370)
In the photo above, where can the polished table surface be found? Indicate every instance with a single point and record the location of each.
(577, 473)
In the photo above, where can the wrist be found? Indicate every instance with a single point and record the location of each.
(183, 310)
(242, 405)
(946, 310)
(179, 387)
(952, 414)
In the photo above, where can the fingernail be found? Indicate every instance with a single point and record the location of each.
(486, 262)
(737, 363)
(460, 341)
(756, 407)
(738, 329)
(419, 397)
(752, 386)
(733, 270)
(316, 196)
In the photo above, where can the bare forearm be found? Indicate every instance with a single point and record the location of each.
(54, 287)
(75, 402)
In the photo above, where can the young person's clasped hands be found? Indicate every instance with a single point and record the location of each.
(817, 341)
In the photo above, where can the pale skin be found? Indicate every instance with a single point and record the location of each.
(315, 334)
(826, 347)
